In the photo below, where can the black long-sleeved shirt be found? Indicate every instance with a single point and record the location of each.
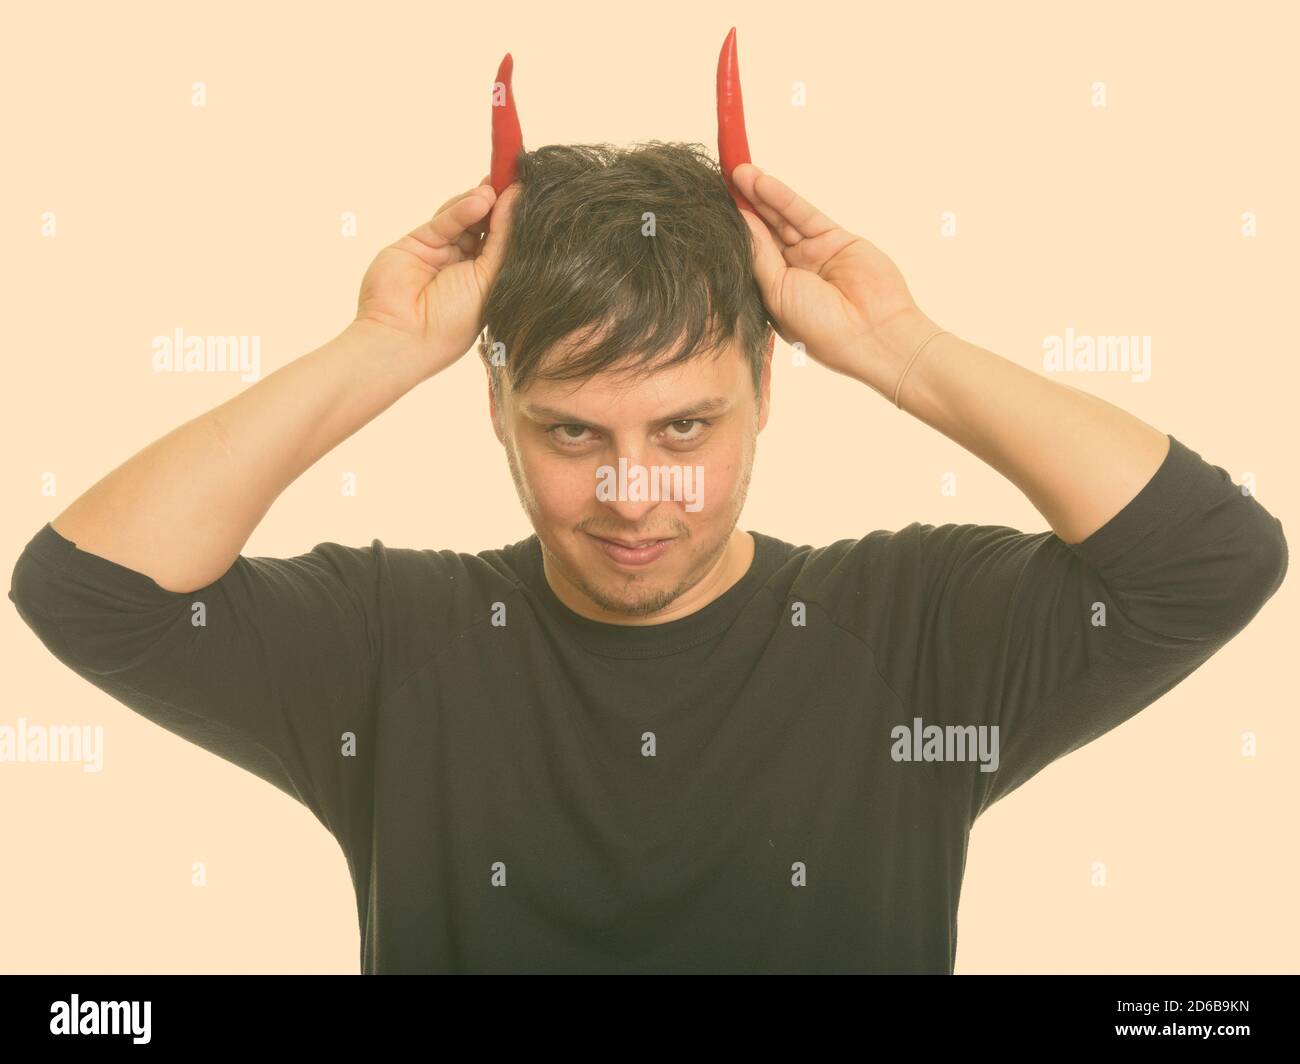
(748, 788)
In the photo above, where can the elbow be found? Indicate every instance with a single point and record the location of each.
(1205, 598)
(29, 584)
(24, 584)
(1260, 573)
(1275, 558)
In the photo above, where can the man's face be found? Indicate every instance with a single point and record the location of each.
(690, 430)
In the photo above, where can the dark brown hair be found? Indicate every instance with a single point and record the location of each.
(579, 276)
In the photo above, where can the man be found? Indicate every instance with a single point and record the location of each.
(643, 739)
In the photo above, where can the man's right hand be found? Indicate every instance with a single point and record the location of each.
(430, 287)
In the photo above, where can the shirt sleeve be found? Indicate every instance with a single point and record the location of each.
(273, 667)
(1056, 644)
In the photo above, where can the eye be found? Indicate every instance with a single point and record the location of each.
(573, 436)
(560, 434)
(687, 437)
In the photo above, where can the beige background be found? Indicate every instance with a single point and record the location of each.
(1124, 219)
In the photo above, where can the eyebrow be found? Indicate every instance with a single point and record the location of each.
(714, 404)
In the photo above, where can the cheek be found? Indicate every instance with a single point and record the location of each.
(722, 470)
(561, 487)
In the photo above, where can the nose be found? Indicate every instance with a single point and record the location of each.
(634, 518)
(627, 482)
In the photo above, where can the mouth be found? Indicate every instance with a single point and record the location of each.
(633, 552)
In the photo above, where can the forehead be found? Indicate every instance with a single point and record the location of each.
(715, 379)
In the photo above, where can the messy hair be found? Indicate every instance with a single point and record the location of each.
(586, 278)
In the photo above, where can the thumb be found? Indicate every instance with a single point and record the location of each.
(768, 262)
(494, 244)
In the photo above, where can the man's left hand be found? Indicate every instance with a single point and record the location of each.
(824, 287)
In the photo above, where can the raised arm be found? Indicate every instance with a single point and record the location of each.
(277, 665)
(1047, 640)
(1078, 459)
(181, 510)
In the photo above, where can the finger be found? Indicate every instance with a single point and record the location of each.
(743, 177)
(768, 260)
(478, 227)
(455, 218)
(795, 211)
(471, 241)
(494, 246)
(462, 195)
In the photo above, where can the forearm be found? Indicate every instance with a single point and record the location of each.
(181, 510)
(1078, 459)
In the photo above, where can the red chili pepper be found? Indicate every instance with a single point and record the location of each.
(507, 140)
(733, 145)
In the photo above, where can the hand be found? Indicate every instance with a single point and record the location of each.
(431, 285)
(836, 293)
